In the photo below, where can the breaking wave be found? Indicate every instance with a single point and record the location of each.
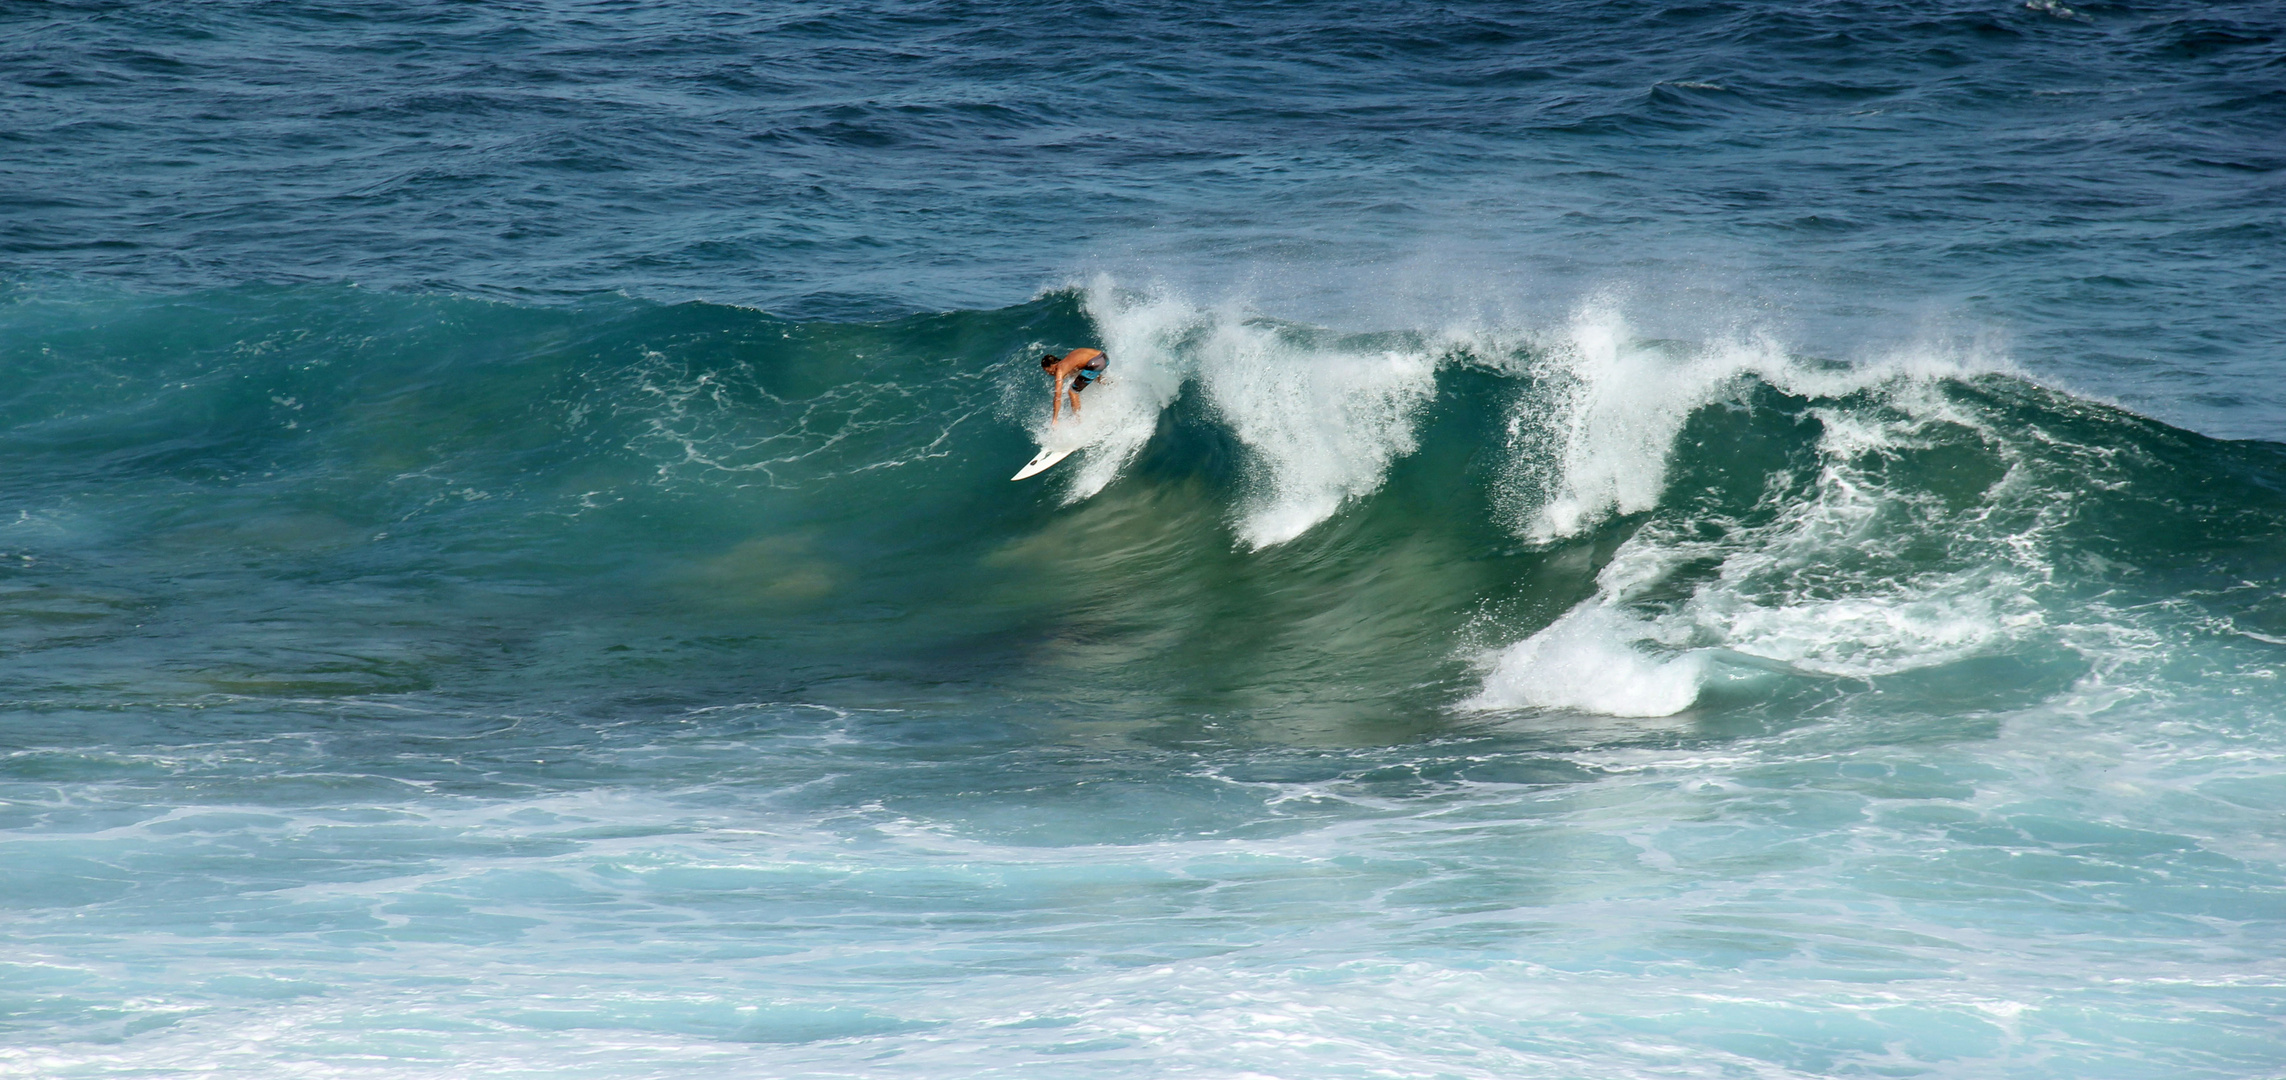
(1266, 516)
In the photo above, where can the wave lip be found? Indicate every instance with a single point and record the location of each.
(1321, 418)
(1596, 435)
(1914, 531)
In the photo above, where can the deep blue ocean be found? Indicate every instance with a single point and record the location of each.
(1619, 540)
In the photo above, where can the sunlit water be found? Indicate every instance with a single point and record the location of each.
(1732, 540)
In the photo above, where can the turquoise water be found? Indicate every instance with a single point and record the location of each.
(1729, 540)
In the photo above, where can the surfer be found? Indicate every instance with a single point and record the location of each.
(1084, 366)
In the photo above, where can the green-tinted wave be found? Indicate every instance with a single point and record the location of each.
(327, 491)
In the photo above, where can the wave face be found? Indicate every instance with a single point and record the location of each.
(420, 684)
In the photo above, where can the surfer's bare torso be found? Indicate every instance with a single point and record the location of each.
(1082, 366)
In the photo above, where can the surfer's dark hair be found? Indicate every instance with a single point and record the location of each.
(1049, 360)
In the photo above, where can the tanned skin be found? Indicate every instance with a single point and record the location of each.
(1059, 381)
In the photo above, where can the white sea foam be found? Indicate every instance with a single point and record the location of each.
(1145, 335)
(1595, 440)
(1322, 424)
(1596, 437)
(1588, 661)
(1321, 421)
(2051, 7)
(1363, 927)
(1821, 588)
(1813, 589)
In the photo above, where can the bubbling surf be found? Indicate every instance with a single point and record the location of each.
(1539, 699)
(1321, 417)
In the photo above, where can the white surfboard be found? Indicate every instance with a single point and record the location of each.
(1039, 464)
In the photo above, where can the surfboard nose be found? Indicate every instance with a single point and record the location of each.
(1040, 463)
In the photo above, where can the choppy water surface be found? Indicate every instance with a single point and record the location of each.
(1718, 540)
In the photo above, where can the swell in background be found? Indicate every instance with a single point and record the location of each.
(2095, 183)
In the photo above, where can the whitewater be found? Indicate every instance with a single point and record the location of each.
(1726, 540)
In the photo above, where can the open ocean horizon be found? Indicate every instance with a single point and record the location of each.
(1710, 539)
